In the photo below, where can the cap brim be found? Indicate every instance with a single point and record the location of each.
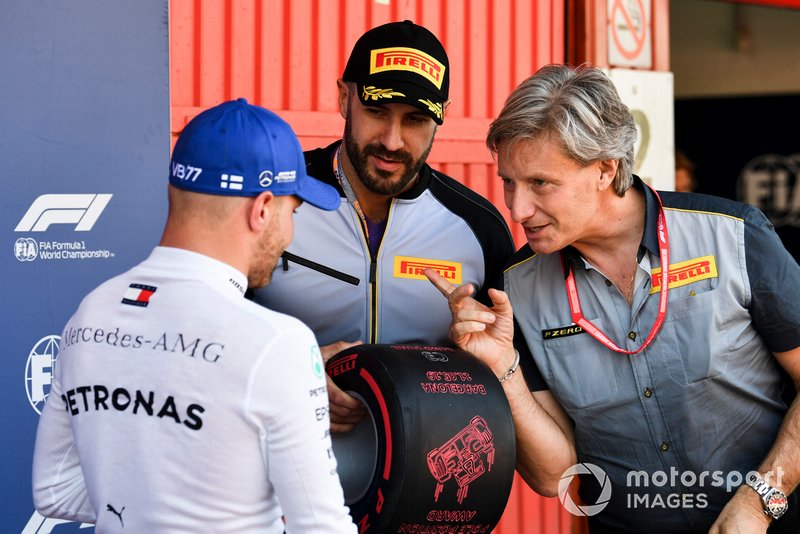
(413, 94)
(319, 194)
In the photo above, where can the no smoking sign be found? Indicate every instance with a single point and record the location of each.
(629, 33)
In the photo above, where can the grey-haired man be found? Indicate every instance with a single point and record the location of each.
(654, 328)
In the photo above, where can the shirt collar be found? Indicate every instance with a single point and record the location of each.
(651, 210)
(187, 264)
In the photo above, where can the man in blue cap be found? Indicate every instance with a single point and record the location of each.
(167, 410)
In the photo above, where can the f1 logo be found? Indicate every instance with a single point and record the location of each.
(81, 210)
(38, 524)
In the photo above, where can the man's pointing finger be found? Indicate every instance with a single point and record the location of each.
(439, 282)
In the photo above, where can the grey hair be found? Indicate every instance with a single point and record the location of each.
(581, 107)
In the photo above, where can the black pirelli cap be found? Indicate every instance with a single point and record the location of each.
(401, 62)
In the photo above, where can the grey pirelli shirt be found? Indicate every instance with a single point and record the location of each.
(674, 425)
(438, 223)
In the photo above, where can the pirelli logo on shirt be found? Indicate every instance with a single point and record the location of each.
(686, 272)
(408, 267)
(409, 59)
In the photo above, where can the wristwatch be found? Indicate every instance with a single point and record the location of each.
(774, 500)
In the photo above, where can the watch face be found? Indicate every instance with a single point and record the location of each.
(776, 504)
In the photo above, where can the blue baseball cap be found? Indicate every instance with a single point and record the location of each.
(238, 149)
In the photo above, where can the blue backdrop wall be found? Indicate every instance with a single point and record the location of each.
(84, 149)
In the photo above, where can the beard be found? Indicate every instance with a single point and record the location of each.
(380, 182)
(270, 247)
(261, 273)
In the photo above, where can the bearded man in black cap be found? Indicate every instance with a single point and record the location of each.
(397, 215)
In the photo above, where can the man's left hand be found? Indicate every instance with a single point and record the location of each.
(345, 410)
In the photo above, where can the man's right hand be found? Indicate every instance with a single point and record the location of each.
(345, 410)
(488, 333)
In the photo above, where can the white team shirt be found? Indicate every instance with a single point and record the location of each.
(179, 406)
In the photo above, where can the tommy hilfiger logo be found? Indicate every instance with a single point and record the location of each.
(564, 331)
(138, 295)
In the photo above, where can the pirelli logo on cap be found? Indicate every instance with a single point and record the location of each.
(408, 267)
(409, 59)
(686, 272)
(564, 331)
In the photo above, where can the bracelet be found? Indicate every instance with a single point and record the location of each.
(512, 368)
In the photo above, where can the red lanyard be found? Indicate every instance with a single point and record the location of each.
(663, 253)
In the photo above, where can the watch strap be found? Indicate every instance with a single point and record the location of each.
(762, 488)
(765, 491)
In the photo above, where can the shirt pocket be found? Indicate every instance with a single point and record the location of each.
(689, 330)
(580, 370)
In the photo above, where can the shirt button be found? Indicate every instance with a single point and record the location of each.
(648, 392)
(632, 336)
(608, 283)
(665, 446)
